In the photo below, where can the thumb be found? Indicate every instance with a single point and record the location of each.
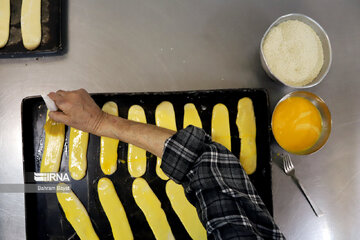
(58, 117)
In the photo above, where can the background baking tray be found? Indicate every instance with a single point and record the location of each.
(46, 220)
(53, 28)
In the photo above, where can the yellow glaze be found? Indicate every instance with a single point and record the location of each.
(151, 207)
(296, 124)
(191, 116)
(109, 146)
(54, 142)
(78, 144)
(220, 126)
(4, 22)
(246, 124)
(136, 155)
(76, 213)
(185, 211)
(114, 210)
(164, 117)
(31, 23)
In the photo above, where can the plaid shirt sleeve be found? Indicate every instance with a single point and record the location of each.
(215, 183)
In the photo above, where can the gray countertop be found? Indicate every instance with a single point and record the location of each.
(158, 45)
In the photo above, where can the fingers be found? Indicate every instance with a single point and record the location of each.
(61, 92)
(66, 100)
(59, 117)
(60, 98)
(82, 90)
(55, 97)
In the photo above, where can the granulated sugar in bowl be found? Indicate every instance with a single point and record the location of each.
(296, 51)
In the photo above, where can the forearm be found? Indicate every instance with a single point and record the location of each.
(79, 110)
(146, 136)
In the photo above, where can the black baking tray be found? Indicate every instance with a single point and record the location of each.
(46, 220)
(53, 28)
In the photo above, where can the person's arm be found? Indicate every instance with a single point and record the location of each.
(80, 111)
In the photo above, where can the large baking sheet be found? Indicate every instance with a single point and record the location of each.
(46, 220)
(53, 28)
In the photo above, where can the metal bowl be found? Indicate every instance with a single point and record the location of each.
(324, 41)
(325, 118)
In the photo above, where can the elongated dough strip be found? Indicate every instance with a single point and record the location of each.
(246, 124)
(31, 23)
(175, 192)
(191, 116)
(114, 210)
(185, 211)
(220, 125)
(4, 22)
(164, 117)
(76, 213)
(54, 142)
(151, 207)
(136, 156)
(109, 146)
(78, 144)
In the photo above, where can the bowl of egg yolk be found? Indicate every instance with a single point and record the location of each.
(301, 123)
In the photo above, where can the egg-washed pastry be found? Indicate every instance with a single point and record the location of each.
(31, 23)
(4, 22)
(175, 192)
(76, 213)
(246, 124)
(185, 211)
(109, 146)
(191, 116)
(114, 210)
(220, 126)
(151, 207)
(164, 117)
(78, 144)
(136, 159)
(54, 142)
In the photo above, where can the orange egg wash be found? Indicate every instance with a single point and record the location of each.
(296, 124)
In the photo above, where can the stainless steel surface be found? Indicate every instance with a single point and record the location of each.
(158, 45)
(324, 41)
(289, 169)
(325, 119)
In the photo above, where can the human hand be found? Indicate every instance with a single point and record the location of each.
(78, 110)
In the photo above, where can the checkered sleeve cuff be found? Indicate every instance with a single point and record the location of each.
(181, 152)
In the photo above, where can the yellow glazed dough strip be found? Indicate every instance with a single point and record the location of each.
(151, 207)
(191, 116)
(185, 211)
(220, 126)
(4, 22)
(31, 23)
(109, 146)
(54, 142)
(164, 117)
(78, 144)
(114, 210)
(246, 124)
(136, 155)
(76, 213)
(175, 192)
